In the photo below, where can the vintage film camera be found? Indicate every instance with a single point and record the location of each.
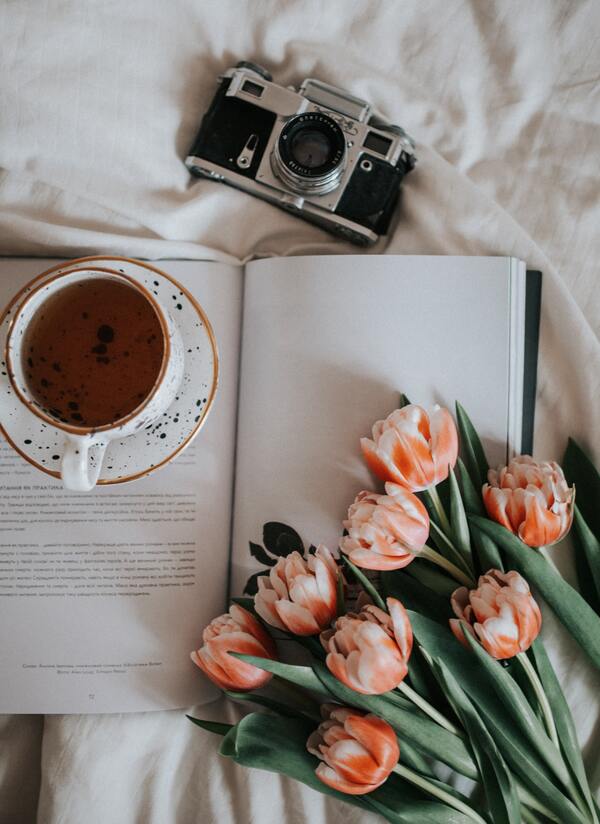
(318, 152)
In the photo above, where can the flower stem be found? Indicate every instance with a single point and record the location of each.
(437, 792)
(443, 541)
(543, 550)
(431, 555)
(438, 507)
(424, 705)
(541, 697)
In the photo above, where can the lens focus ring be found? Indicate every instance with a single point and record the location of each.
(309, 156)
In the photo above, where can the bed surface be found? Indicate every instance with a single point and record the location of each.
(99, 103)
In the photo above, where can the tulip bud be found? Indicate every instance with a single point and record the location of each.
(299, 595)
(357, 751)
(369, 651)
(532, 499)
(385, 531)
(412, 447)
(236, 631)
(501, 614)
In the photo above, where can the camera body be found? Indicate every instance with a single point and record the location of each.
(319, 152)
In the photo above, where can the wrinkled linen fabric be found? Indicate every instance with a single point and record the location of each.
(99, 103)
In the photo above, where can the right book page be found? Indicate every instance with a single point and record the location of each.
(328, 344)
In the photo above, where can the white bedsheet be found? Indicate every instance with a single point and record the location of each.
(98, 104)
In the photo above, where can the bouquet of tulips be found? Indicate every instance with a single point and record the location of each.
(412, 652)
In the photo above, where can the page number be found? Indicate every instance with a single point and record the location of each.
(91, 696)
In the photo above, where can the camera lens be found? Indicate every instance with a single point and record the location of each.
(311, 148)
(310, 154)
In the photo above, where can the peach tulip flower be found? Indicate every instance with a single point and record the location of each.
(385, 531)
(236, 631)
(299, 595)
(357, 751)
(501, 614)
(532, 499)
(413, 447)
(369, 651)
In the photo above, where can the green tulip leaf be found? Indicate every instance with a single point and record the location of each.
(472, 450)
(432, 576)
(446, 547)
(511, 695)
(470, 494)
(567, 604)
(458, 520)
(581, 472)
(365, 583)
(516, 748)
(565, 726)
(425, 735)
(487, 552)
(269, 703)
(211, 726)
(246, 603)
(281, 748)
(415, 595)
(589, 544)
(301, 676)
(498, 784)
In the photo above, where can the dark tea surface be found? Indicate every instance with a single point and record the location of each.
(92, 352)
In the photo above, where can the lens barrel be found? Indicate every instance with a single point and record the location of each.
(310, 154)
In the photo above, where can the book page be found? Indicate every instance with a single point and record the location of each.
(328, 345)
(103, 595)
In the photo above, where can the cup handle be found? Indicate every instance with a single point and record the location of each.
(78, 473)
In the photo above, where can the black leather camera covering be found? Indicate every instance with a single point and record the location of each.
(225, 129)
(370, 197)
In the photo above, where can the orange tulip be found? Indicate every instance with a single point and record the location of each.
(357, 752)
(413, 448)
(385, 531)
(299, 595)
(532, 499)
(236, 631)
(501, 614)
(369, 652)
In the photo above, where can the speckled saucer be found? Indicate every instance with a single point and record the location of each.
(142, 453)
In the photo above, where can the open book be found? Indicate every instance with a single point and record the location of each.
(313, 350)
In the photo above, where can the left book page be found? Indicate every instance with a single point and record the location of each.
(104, 594)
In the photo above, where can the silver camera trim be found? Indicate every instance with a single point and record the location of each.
(350, 113)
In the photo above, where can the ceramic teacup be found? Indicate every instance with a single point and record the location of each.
(85, 443)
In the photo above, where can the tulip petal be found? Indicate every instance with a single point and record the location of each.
(336, 782)
(411, 455)
(541, 527)
(377, 737)
(370, 559)
(495, 501)
(353, 762)
(500, 635)
(401, 625)
(444, 442)
(297, 619)
(379, 463)
(264, 604)
(247, 622)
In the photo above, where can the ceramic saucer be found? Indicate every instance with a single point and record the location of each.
(137, 455)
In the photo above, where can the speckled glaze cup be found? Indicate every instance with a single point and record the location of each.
(84, 445)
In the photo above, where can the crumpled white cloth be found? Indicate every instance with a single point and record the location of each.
(99, 103)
